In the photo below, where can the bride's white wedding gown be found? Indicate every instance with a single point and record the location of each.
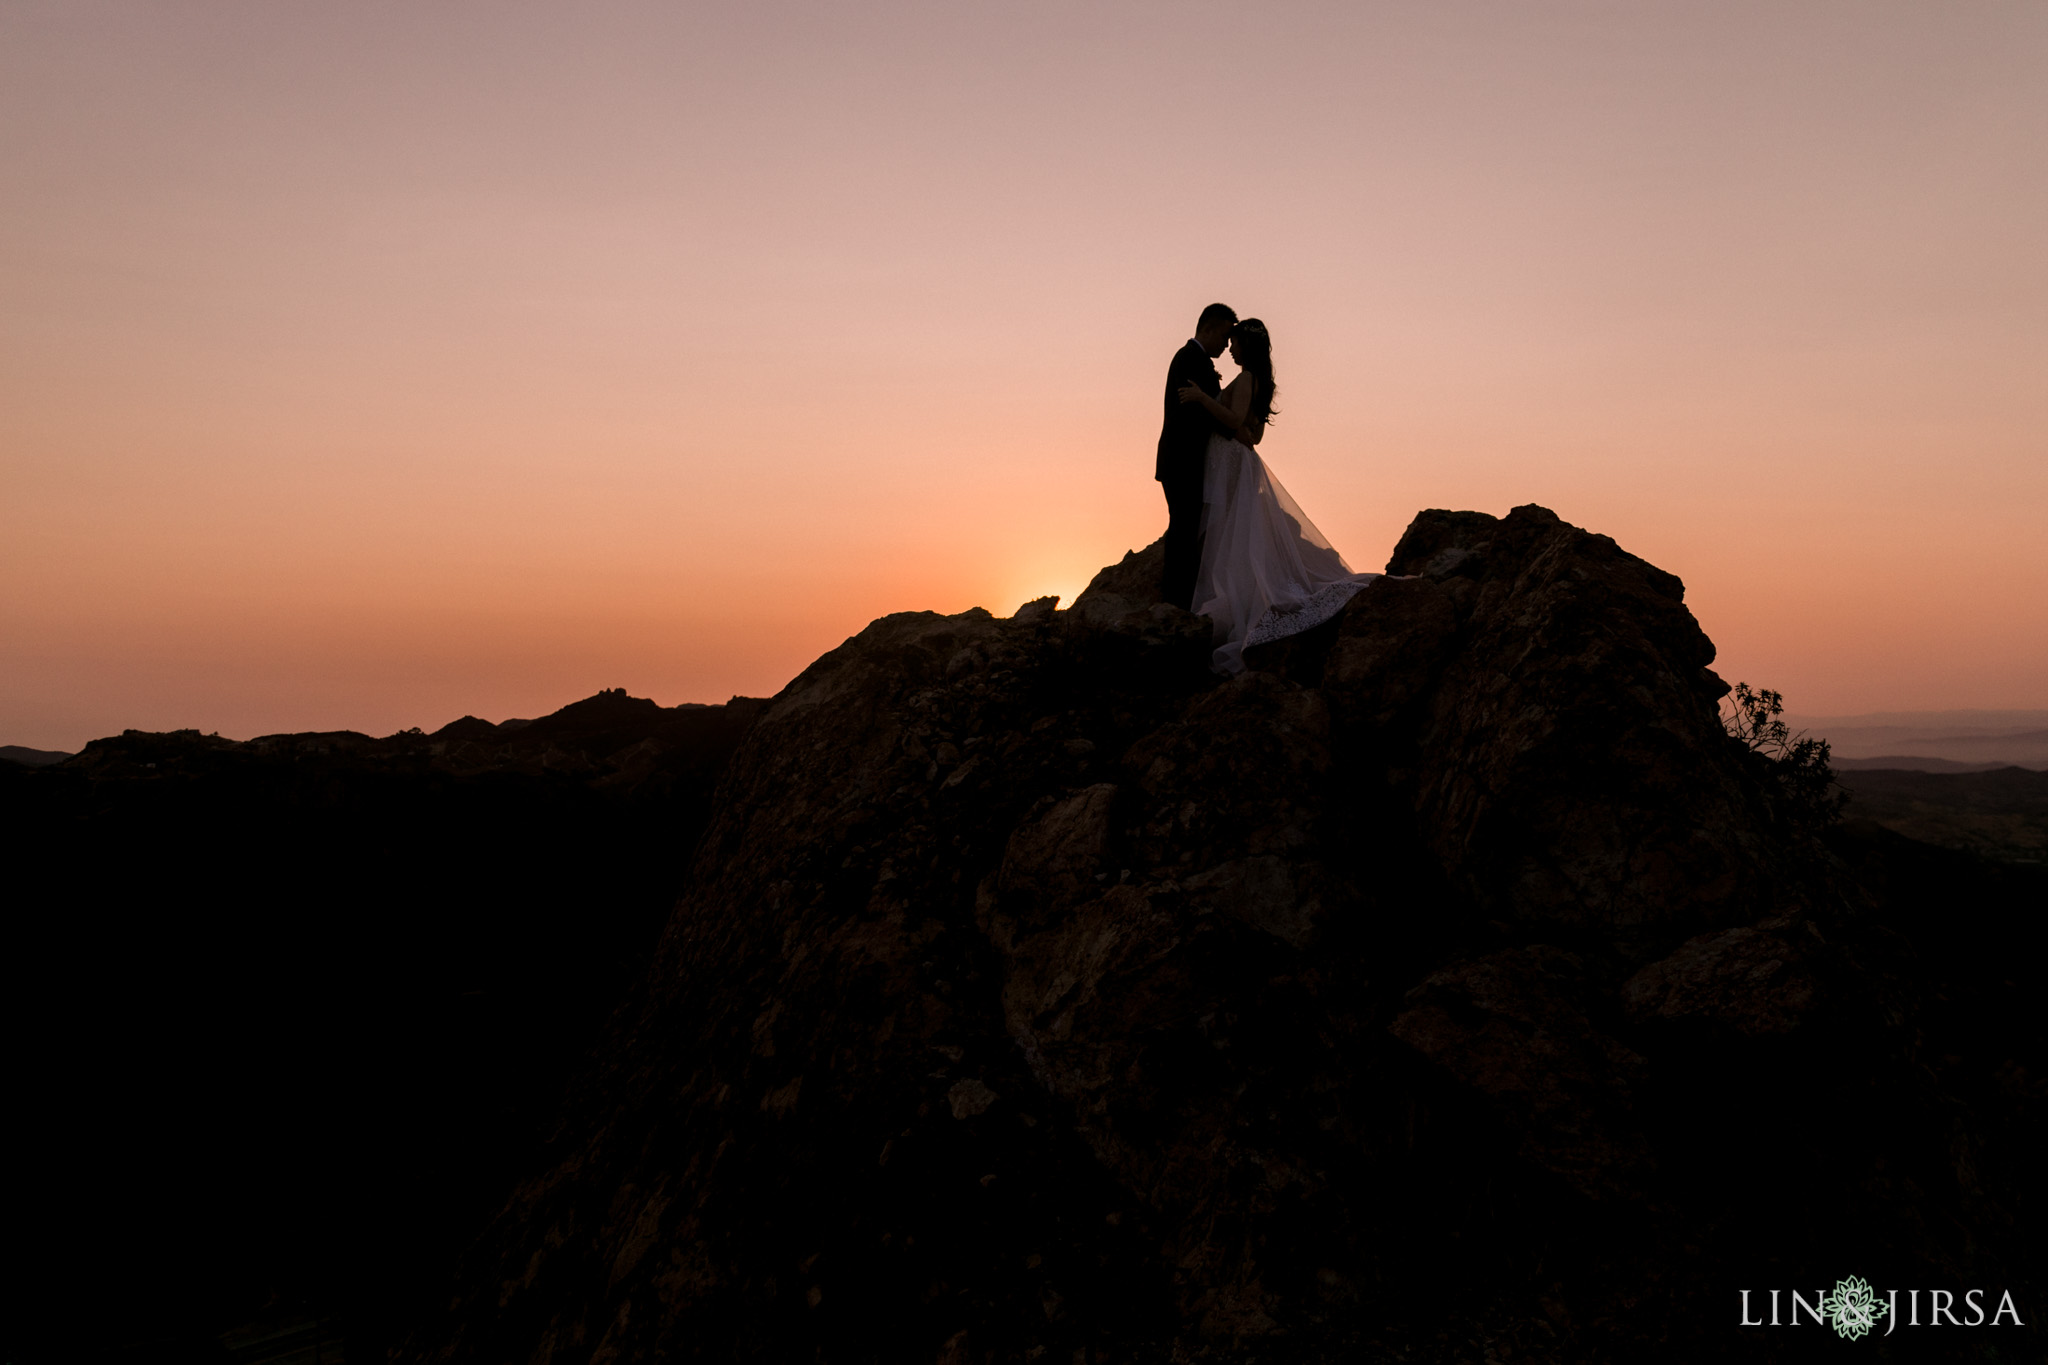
(1267, 572)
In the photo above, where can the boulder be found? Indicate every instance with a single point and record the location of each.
(1748, 982)
(1573, 773)
(1512, 1027)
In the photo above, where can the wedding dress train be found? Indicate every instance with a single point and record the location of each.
(1266, 572)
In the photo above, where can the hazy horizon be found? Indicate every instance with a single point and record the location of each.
(1977, 718)
(361, 366)
(1862, 730)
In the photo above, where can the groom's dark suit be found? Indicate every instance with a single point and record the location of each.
(1183, 459)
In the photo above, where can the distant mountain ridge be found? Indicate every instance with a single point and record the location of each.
(31, 758)
(1912, 764)
(612, 740)
(1933, 741)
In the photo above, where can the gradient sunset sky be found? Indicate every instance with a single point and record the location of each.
(366, 364)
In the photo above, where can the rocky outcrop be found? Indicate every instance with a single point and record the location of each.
(1551, 696)
(1440, 988)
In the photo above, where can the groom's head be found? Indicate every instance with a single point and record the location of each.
(1212, 329)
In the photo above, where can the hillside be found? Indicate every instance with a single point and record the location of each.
(291, 1013)
(1448, 987)
(2001, 813)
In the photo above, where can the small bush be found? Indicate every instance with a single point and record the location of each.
(1797, 778)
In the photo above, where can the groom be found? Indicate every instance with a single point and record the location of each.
(1184, 451)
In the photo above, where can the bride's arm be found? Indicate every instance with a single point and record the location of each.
(1232, 416)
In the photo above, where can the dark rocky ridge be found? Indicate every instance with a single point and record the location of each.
(1446, 988)
(289, 1013)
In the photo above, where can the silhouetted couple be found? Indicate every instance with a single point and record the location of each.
(1238, 549)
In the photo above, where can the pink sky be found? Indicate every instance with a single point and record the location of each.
(364, 365)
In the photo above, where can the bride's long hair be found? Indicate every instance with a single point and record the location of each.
(1257, 346)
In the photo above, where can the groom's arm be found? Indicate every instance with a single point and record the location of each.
(1186, 369)
(1193, 369)
(1220, 420)
(1212, 387)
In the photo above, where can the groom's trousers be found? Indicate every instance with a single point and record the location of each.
(1183, 537)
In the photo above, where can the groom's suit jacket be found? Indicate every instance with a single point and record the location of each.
(1184, 438)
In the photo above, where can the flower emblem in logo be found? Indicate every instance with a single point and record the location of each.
(1853, 1308)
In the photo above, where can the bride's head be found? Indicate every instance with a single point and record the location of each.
(1252, 351)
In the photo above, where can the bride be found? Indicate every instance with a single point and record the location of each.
(1266, 571)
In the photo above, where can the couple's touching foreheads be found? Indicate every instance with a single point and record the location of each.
(1238, 549)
